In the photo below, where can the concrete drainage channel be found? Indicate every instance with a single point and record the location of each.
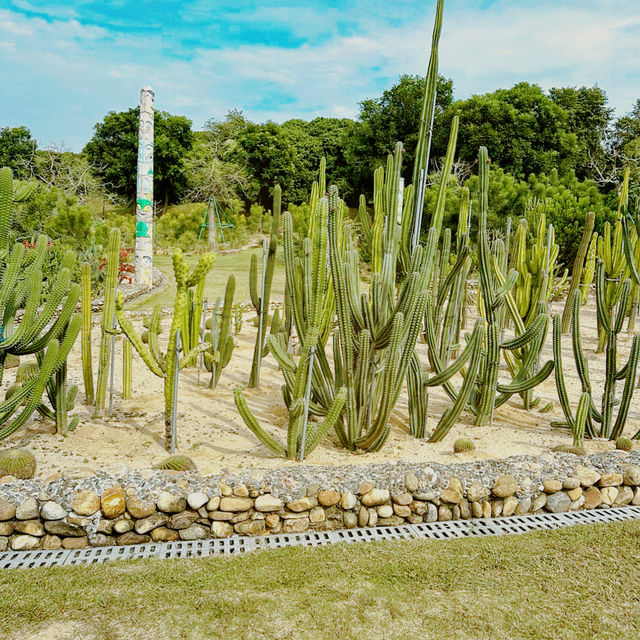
(237, 545)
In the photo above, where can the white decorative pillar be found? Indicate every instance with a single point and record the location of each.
(144, 191)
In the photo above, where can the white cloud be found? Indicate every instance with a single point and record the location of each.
(61, 76)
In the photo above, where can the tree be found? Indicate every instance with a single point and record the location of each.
(113, 152)
(17, 148)
(524, 130)
(394, 116)
(589, 118)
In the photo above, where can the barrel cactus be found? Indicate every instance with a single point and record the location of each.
(20, 463)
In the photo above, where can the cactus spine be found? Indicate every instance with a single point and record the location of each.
(107, 324)
(261, 303)
(163, 365)
(86, 312)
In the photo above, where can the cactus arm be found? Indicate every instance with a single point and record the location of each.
(559, 371)
(153, 333)
(126, 368)
(253, 425)
(316, 432)
(582, 414)
(627, 393)
(86, 311)
(529, 383)
(253, 282)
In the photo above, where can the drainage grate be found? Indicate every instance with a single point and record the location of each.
(243, 544)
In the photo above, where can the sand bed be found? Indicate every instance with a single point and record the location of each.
(211, 431)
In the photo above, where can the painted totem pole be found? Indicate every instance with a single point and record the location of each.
(144, 191)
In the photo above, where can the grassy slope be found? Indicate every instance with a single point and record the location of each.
(577, 583)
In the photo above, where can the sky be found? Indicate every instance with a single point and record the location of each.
(65, 64)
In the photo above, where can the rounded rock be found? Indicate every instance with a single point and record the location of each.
(197, 500)
(113, 502)
(86, 503)
(375, 497)
(25, 543)
(505, 486)
(52, 511)
(28, 510)
(7, 510)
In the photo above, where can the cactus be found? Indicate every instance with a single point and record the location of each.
(261, 304)
(218, 340)
(237, 318)
(107, 324)
(11, 362)
(580, 263)
(177, 463)
(589, 269)
(19, 463)
(624, 444)
(566, 448)
(163, 365)
(463, 445)
(126, 368)
(85, 309)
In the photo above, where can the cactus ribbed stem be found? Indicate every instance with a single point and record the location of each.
(86, 313)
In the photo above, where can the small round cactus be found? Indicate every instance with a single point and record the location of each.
(624, 444)
(462, 445)
(177, 463)
(567, 448)
(20, 463)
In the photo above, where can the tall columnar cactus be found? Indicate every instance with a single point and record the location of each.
(107, 325)
(580, 264)
(218, 340)
(86, 313)
(261, 302)
(612, 326)
(163, 365)
(126, 368)
(309, 385)
(589, 271)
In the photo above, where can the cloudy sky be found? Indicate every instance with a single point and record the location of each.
(63, 65)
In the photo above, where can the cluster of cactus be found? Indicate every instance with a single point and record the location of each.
(261, 296)
(161, 364)
(587, 414)
(218, 339)
(48, 326)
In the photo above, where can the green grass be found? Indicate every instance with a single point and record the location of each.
(577, 583)
(226, 264)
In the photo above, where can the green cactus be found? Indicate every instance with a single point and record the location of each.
(177, 463)
(126, 368)
(218, 340)
(11, 362)
(566, 448)
(19, 463)
(163, 365)
(589, 269)
(261, 304)
(624, 444)
(86, 311)
(107, 324)
(463, 445)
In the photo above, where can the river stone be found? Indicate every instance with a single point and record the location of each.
(465, 510)
(574, 494)
(151, 522)
(267, 502)
(86, 503)
(317, 514)
(302, 524)
(171, 503)
(496, 508)
(162, 534)
(363, 517)
(123, 525)
(538, 502)
(571, 483)
(385, 511)
(453, 493)
(28, 510)
(25, 543)
(213, 504)
(241, 491)
(235, 504)
(402, 498)
(102, 540)
(64, 529)
(505, 486)
(113, 502)
(4, 543)
(140, 508)
(524, 505)
(194, 532)
(328, 497)
(29, 527)
(52, 511)
(401, 510)
(592, 498)
(558, 502)
(51, 542)
(631, 475)
(221, 529)
(131, 537)
(348, 500)
(609, 495)
(588, 477)
(197, 500)
(625, 496)
(509, 507)
(375, 497)
(410, 481)
(7, 510)
(75, 543)
(6, 528)
(182, 520)
(221, 516)
(577, 504)
(365, 487)
(476, 492)
(272, 520)
(350, 520)
(552, 485)
(444, 513)
(610, 480)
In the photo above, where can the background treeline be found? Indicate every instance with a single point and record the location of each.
(560, 150)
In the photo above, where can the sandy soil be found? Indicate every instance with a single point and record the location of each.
(211, 431)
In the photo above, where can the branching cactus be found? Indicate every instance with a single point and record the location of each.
(261, 302)
(309, 384)
(107, 324)
(218, 340)
(163, 364)
(612, 326)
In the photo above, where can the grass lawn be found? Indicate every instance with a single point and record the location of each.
(577, 583)
(225, 264)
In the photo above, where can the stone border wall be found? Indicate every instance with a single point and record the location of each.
(135, 508)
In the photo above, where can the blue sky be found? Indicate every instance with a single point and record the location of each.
(63, 65)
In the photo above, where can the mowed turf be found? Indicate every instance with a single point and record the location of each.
(577, 583)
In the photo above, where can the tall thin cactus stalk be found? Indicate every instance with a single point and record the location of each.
(86, 314)
(126, 368)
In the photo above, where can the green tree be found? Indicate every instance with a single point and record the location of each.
(17, 148)
(113, 153)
